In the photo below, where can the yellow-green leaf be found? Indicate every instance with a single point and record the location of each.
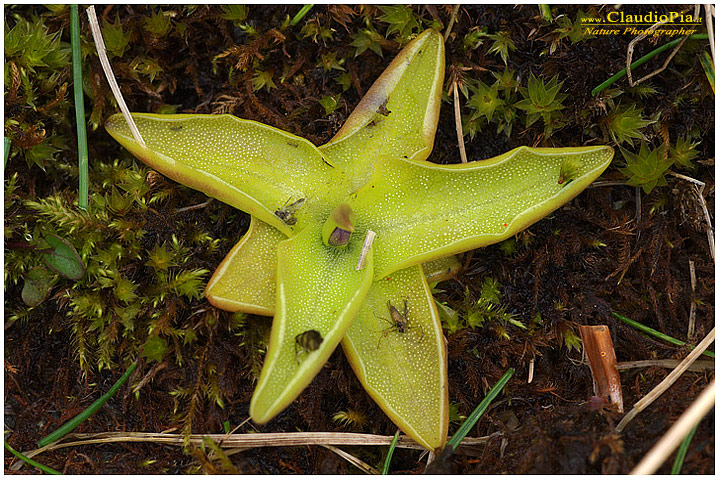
(245, 280)
(398, 116)
(251, 166)
(318, 288)
(403, 369)
(422, 211)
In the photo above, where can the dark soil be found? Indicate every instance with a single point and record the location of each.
(641, 271)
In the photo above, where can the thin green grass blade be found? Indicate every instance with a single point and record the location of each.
(7, 150)
(644, 59)
(655, 333)
(682, 451)
(30, 461)
(301, 14)
(472, 419)
(85, 414)
(388, 458)
(79, 108)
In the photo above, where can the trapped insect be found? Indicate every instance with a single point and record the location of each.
(307, 341)
(286, 213)
(399, 322)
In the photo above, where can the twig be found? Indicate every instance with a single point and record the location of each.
(451, 22)
(691, 318)
(353, 460)
(696, 366)
(100, 46)
(667, 444)
(458, 123)
(660, 388)
(369, 238)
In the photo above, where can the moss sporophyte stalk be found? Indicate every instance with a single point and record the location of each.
(371, 176)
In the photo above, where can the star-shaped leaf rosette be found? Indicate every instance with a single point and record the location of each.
(312, 208)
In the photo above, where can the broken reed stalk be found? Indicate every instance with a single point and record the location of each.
(672, 438)
(102, 53)
(83, 182)
(660, 388)
(603, 364)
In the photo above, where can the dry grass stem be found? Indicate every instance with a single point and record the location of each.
(709, 13)
(244, 440)
(600, 353)
(149, 376)
(696, 366)
(194, 207)
(452, 22)
(100, 46)
(458, 123)
(672, 438)
(691, 317)
(699, 190)
(607, 183)
(353, 460)
(660, 388)
(631, 48)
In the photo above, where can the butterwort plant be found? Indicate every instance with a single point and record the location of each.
(312, 208)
